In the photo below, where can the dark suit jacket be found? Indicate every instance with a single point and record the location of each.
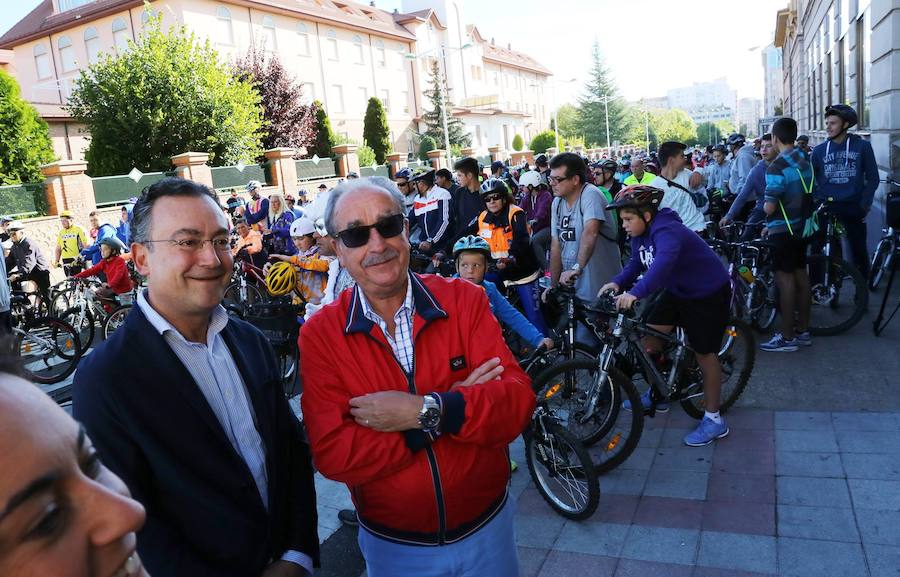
(153, 427)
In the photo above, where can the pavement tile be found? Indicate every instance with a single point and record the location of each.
(861, 421)
(663, 545)
(538, 531)
(530, 502)
(726, 460)
(869, 442)
(618, 509)
(809, 558)
(749, 440)
(565, 564)
(666, 512)
(676, 484)
(802, 421)
(813, 492)
(623, 482)
(683, 459)
(884, 561)
(592, 538)
(678, 419)
(735, 551)
(826, 523)
(739, 517)
(635, 568)
(531, 560)
(753, 488)
(801, 464)
(879, 527)
(751, 419)
(641, 458)
(806, 441)
(718, 572)
(872, 466)
(650, 438)
(672, 438)
(871, 494)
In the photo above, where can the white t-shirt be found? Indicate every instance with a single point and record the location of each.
(680, 201)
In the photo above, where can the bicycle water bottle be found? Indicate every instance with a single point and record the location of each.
(746, 274)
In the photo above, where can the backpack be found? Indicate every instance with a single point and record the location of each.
(810, 219)
(700, 199)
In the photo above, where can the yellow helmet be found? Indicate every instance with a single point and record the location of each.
(281, 279)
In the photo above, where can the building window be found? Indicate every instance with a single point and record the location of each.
(337, 99)
(303, 39)
(386, 100)
(380, 54)
(331, 45)
(864, 66)
(120, 35)
(268, 29)
(358, 49)
(308, 91)
(405, 102)
(42, 62)
(223, 25)
(363, 96)
(66, 54)
(92, 44)
(839, 72)
(146, 14)
(846, 79)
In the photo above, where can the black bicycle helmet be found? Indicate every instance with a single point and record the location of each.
(637, 196)
(736, 139)
(721, 148)
(609, 165)
(846, 113)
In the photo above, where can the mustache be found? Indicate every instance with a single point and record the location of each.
(382, 257)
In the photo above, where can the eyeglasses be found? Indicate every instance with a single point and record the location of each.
(493, 197)
(387, 227)
(221, 244)
(558, 179)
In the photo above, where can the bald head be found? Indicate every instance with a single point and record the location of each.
(637, 168)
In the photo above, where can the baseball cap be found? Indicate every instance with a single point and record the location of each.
(17, 225)
(66, 214)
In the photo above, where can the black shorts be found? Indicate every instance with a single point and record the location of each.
(704, 320)
(788, 252)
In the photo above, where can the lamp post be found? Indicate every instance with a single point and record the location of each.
(606, 111)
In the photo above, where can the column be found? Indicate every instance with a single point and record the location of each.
(437, 158)
(67, 187)
(284, 168)
(347, 160)
(395, 161)
(192, 166)
(468, 151)
(496, 153)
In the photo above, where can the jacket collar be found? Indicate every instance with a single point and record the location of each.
(426, 306)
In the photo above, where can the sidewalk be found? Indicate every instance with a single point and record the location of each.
(802, 494)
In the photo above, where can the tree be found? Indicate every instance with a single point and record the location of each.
(376, 133)
(166, 95)
(518, 143)
(779, 108)
(599, 92)
(366, 155)
(568, 121)
(324, 138)
(434, 119)
(426, 144)
(709, 133)
(24, 138)
(542, 141)
(287, 121)
(637, 127)
(674, 125)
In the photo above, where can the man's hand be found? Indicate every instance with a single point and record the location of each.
(284, 569)
(724, 221)
(548, 344)
(569, 277)
(387, 411)
(610, 286)
(489, 370)
(695, 180)
(625, 301)
(425, 246)
(769, 208)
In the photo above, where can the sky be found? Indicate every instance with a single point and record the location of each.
(650, 46)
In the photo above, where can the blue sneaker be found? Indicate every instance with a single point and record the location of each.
(645, 402)
(706, 432)
(803, 339)
(778, 344)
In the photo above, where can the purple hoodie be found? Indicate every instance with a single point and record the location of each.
(537, 209)
(675, 258)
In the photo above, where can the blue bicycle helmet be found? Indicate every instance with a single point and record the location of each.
(471, 243)
(405, 172)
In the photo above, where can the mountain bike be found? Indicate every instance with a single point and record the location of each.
(48, 348)
(885, 254)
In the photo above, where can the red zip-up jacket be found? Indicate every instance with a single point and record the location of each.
(116, 273)
(407, 488)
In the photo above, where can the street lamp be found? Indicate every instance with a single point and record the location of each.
(606, 110)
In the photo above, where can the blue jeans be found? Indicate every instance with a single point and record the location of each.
(490, 551)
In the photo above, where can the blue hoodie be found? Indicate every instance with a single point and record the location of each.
(510, 316)
(675, 258)
(846, 172)
(123, 231)
(92, 253)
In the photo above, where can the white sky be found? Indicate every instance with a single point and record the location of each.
(649, 45)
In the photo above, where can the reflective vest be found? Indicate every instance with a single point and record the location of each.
(499, 238)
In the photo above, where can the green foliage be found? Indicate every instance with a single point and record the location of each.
(434, 119)
(24, 138)
(376, 133)
(637, 131)
(366, 156)
(600, 92)
(542, 141)
(674, 125)
(568, 120)
(713, 132)
(518, 142)
(325, 138)
(456, 151)
(426, 144)
(166, 95)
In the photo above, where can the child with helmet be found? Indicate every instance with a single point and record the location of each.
(118, 279)
(311, 270)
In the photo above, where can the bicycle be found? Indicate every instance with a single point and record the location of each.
(49, 349)
(279, 322)
(244, 288)
(754, 295)
(886, 250)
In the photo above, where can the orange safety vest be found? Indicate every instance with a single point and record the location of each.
(498, 238)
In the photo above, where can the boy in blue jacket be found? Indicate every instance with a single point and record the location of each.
(697, 292)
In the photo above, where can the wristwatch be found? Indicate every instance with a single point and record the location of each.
(430, 415)
(576, 267)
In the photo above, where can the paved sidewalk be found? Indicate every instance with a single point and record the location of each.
(802, 494)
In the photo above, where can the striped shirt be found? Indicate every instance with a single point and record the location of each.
(786, 179)
(401, 341)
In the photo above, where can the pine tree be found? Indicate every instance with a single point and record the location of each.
(24, 138)
(376, 133)
(325, 138)
(600, 86)
(434, 119)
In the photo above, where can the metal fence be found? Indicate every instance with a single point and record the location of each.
(381, 170)
(23, 199)
(484, 160)
(418, 163)
(110, 190)
(309, 169)
(225, 177)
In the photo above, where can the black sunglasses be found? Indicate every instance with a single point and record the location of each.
(493, 197)
(387, 227)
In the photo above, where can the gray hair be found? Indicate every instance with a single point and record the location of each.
(376, 182)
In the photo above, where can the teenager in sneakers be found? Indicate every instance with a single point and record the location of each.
(429, 219)
(676, 182)
(696, 293)
(786, 180)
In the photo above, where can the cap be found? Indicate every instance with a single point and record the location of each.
(66, 214)
(17, 225)
(323, 185)
(5, 219)
(497, 164)
(289, 197)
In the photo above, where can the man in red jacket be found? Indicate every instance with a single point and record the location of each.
(411, 398)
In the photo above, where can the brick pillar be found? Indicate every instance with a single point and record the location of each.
(284, 168)
(468, 151)
(497, 153)
(192, 166)
(347, 160)
(551, 152)
(395, 161)
(437, 158)
(523, 155)
(67, 187)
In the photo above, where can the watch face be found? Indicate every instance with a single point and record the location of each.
(431, 418)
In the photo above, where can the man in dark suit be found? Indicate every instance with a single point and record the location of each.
(184, 404)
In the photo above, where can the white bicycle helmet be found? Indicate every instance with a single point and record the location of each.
(531, 177)
(489, 184)
(302, 227)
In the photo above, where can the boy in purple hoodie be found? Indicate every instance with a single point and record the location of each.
(697, 292)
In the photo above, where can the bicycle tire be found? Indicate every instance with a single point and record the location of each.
(881, 262)
(767, 313)
(828, 324)
(565, 456)
(83, 324)
(287, 358)
(115, 319)
(736, 332)
(60, 335)
(232, 295)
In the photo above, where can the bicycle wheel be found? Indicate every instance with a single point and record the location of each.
(561, 470)
(115, 320)
(881, 262)
(839, 303)
(242, 296)
(287, 364)
(49, 349)
(82, 321)
(765, 290)
(60, 301)
(737, 357)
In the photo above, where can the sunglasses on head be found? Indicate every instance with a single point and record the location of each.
(387, 227)
(493, 197)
